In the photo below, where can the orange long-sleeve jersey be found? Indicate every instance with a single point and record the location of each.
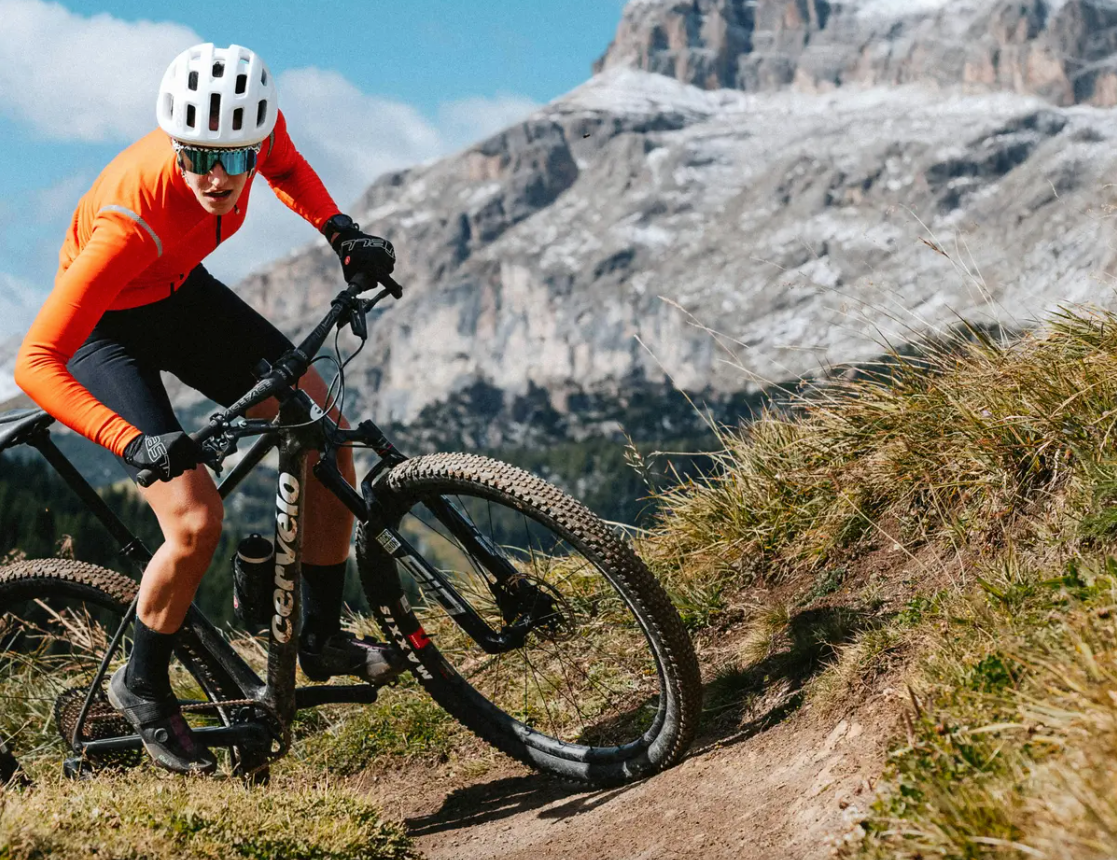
(134, 238)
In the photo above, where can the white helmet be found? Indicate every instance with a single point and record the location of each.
(217, 97)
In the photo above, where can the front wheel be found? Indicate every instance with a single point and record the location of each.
(602, 685)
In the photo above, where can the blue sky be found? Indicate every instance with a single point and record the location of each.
(366, 86)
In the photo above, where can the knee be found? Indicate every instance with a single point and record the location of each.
(197, 529)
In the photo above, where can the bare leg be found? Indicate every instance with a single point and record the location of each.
(328, 523)
(189, 511)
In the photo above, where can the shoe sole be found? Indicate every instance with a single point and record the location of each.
(389, 676)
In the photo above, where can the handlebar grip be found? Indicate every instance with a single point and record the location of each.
(391, 286)
(363, 282)
(146, 478)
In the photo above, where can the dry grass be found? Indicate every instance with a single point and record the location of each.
(986, 470)
(942, 447)
(148, 816)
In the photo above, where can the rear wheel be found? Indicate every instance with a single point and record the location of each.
(57, 617)
(603, 688)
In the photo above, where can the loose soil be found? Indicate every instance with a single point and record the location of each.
(768, 789)
(788, 792)
(772, 778)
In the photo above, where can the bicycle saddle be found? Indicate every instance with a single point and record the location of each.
(17, 425)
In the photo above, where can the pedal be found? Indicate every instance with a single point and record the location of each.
(101, 722)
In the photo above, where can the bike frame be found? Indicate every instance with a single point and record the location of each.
(299, 429)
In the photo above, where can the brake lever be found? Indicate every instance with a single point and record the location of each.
(358, 323)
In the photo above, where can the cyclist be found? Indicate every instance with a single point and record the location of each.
(131, 299)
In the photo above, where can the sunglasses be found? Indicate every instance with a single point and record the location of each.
(202, 160)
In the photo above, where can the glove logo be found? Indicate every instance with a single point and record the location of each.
(157, 455)
(369, 242)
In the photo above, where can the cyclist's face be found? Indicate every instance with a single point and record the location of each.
(216, 191)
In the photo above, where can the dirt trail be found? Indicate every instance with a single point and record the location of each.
(784, 792)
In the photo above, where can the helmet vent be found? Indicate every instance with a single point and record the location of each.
(211, 96)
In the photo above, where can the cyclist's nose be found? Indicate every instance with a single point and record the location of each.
(218, 172)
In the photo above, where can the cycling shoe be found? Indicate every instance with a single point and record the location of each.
(160, 724)
(345, 654)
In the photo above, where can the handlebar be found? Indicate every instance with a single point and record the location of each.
(345, 309)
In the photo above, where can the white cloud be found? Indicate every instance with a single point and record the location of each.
(56, 204)
(94, 79)
(77, 78)
(349, 136)
(468, 120)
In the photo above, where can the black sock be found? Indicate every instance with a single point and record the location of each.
(323, 585)
(147, 672)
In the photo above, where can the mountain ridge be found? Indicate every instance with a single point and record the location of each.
(641, 231)
(1062, 50)
(780, 220)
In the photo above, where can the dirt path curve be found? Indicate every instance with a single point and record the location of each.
(784, 793)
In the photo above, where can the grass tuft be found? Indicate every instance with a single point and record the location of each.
(155, 817)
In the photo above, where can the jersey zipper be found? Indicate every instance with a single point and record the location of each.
(218, 231)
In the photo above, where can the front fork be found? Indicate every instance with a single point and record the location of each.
(505, 582)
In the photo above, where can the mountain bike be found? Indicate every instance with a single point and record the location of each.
(526, 617)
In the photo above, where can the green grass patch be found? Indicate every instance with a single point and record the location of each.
(404, 725)
(147, 816)
(1012, 750)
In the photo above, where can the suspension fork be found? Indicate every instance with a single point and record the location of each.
(382, 514)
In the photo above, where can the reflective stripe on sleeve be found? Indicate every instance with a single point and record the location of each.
(124, 210)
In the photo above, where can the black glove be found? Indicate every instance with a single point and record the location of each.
(168, 455)
(359, 253)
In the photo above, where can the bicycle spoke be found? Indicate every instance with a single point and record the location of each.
(539, 690)
(587, 660)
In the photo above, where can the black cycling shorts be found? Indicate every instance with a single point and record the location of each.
(204, 334)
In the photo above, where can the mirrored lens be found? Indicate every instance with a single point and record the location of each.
(202, 161)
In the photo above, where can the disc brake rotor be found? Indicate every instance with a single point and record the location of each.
(551, 616)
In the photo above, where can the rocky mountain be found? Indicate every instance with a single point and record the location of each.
(743, 194)
(1062, 50)
(847, 176)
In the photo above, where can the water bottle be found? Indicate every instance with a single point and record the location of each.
(252, 580)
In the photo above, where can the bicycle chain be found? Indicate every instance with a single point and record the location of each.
(192, 707)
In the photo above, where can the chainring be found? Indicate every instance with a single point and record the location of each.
(101, 722)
